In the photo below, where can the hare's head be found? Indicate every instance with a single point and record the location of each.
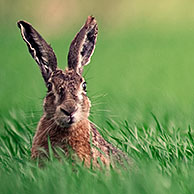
(66, 101)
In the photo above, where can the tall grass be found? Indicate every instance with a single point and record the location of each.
(163, 163)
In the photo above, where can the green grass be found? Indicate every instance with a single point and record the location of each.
(163, 163)
(140, 82)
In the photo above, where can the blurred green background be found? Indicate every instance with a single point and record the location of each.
(143, 62)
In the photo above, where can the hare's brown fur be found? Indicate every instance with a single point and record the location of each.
(66, 106)
(77, 137)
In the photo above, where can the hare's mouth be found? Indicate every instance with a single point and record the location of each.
(71, 120)
(65, 121)
(65, 117)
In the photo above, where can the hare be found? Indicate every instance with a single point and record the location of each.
(66, 105)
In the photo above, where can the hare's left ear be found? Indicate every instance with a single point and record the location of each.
(40, 50)
(83, 45)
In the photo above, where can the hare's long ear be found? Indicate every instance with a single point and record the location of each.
(83, 45)
(39, 49)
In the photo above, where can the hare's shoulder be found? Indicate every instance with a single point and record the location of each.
(107, 149)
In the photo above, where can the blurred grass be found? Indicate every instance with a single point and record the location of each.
(140, 70)
(163, 163)
(140, 82)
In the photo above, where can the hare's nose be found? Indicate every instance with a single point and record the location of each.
(65, 112)
(68, 107)
(68, 112)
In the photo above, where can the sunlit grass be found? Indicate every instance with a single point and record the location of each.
(163, 163)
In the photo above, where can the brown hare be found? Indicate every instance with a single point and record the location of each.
(66, 105)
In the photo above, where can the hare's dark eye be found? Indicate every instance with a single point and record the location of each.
(49, 86)
(61, 91)
(84, 86)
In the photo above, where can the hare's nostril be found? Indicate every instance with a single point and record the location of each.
(65, 112)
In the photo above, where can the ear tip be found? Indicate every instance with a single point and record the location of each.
(90, 20)
(91, 17)
(22, 23)
(19, 23)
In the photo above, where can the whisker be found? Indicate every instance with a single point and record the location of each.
(97, 104)
(50, 127)
(98, 95)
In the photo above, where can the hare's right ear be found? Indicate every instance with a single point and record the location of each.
(39, 49)
(83, 45)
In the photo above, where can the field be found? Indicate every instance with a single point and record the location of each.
(140, 82)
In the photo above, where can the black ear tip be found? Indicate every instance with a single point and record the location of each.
(22, 23)
(19, 23)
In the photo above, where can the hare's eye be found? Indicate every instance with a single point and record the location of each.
(61, 91)
(84, 86)
(49, 86)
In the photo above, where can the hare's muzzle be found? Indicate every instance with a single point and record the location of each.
(68, 107)
(65, 114)
(69, 114)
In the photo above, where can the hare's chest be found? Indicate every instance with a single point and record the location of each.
(79, 141)
(76, 140)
